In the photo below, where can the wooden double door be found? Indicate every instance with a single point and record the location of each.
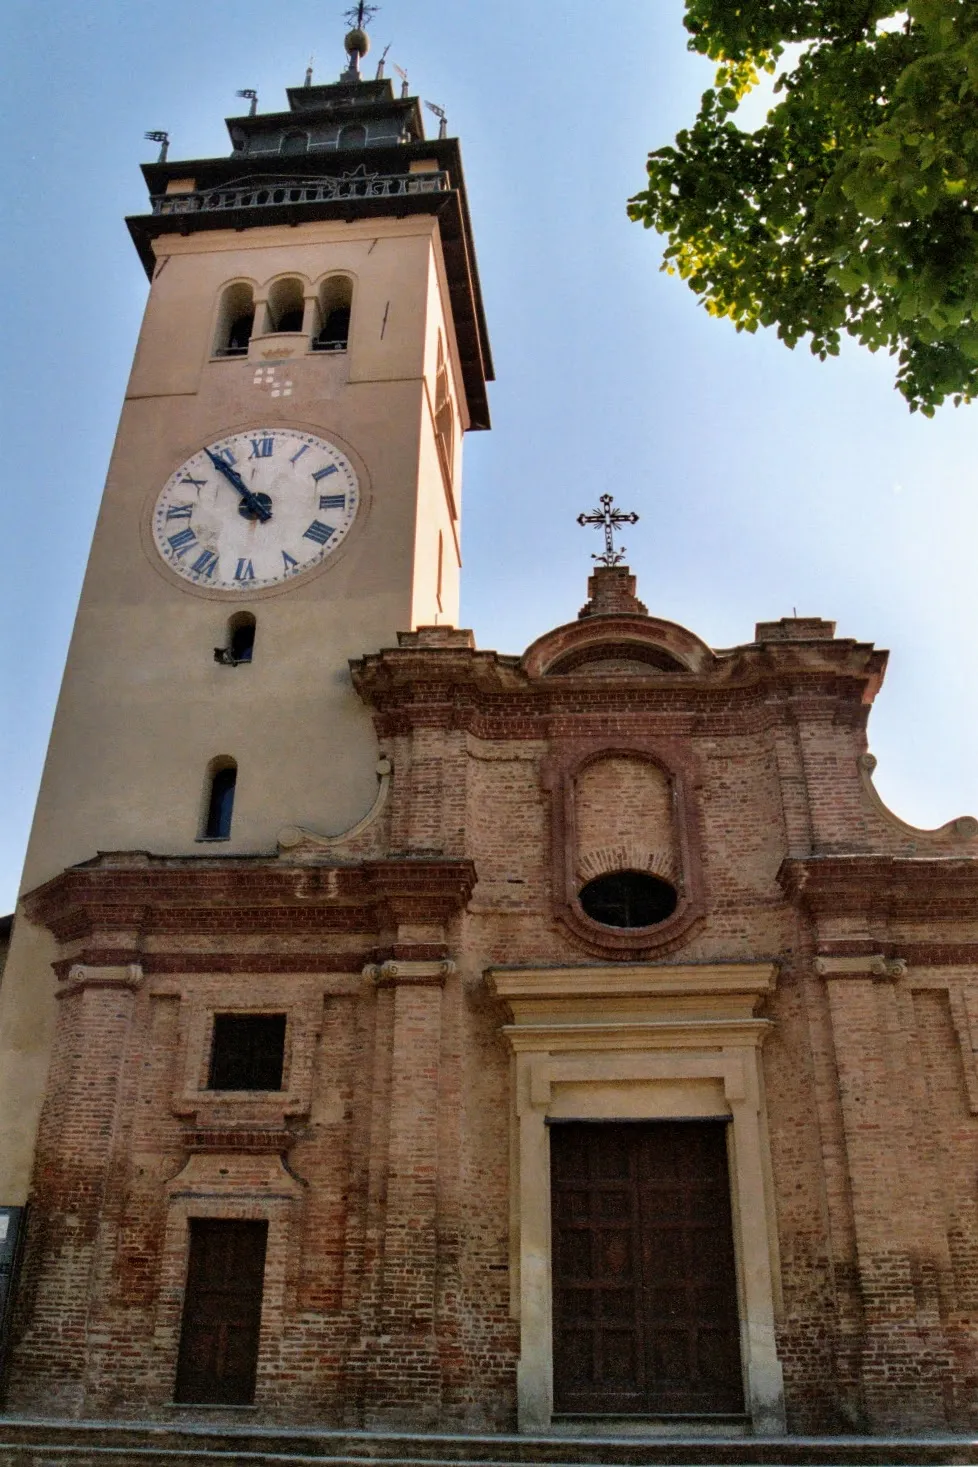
(645, 1317)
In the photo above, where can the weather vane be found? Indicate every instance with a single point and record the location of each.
(609, 519)
(360, 15)
(442, 119)
(163, 138)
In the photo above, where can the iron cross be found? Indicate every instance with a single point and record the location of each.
(360, 15)
(609, 519)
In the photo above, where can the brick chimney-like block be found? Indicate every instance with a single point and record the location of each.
(795, 629)
(437, 637)
(611, 592)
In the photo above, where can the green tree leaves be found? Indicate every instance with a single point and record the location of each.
(855, 206)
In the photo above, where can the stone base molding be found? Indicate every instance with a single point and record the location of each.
(651, 1042)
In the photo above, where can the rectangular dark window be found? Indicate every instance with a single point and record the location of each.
(218, 1356)
(248, 1052)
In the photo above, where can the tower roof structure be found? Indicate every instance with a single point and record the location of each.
(345, 150)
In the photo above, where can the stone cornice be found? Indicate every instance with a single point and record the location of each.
(614, 981)
(632, 1006)
(422, 685)
(123, 896)
(895, 888)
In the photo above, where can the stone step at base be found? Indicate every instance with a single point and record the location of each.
(62, 1443)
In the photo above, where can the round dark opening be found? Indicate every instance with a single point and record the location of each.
(628, 899)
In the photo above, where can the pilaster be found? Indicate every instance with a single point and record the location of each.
(73, 1165)
(905, 1362)
(402, 1377)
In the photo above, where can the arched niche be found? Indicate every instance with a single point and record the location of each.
(625, 805)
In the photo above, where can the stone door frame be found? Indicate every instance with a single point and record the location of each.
(640, 1041)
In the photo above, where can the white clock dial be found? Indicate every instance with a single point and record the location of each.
(255, 509)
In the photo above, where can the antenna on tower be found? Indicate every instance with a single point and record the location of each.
(252, 96)
(380, 64)
(404, 81)
(163, 138)
(442, 119)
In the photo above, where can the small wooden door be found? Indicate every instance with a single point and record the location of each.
(222, 1312)
(644, 1288)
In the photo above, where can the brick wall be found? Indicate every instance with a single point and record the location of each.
(383, 1168)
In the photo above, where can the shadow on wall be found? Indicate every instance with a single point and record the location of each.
(6, 926)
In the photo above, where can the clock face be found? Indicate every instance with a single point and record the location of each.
(255, 509)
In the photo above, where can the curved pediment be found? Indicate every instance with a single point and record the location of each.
(617, 646)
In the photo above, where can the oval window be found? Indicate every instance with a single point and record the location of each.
(628, 899)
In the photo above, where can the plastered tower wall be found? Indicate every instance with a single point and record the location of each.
(144, 705)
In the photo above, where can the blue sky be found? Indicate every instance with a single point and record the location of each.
(765, 480)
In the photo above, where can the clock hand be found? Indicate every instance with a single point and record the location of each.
(252, 501)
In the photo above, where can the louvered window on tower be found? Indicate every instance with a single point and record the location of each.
(247, 1052)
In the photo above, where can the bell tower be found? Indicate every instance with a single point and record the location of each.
(284, 495)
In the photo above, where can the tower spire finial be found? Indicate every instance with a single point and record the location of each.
(356, 41)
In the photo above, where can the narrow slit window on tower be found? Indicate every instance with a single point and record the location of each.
(239, 644)
(236, 319)
(286, 306)
(247, 1052)
(220, 800)
(335, 308)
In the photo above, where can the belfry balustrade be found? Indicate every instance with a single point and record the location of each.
(273, 194)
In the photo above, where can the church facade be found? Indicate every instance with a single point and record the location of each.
(397, 1033)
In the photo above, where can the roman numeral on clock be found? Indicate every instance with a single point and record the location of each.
(262, 447)
(182, 542)
(179, 511)
(332, 501)
(324, 473)
(206, 563)
(197, 483)
(288, 561)
(245, 571)
(319, 532)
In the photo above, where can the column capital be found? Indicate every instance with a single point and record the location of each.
(867, 965)
(86, 975)
(398, 971)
